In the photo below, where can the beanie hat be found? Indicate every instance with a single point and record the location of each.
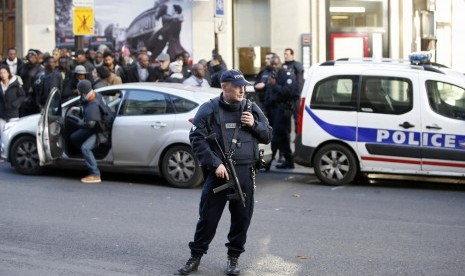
(84, 86)
(163, 57)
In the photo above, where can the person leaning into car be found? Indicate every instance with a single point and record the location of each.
(228, 116)
(86, 137)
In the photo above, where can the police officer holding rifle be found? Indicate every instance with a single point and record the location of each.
(225, 136)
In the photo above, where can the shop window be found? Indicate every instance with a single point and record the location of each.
(355, 13)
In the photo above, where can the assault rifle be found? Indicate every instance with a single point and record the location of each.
(233, 181)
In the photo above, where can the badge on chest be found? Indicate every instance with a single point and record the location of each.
(230, 125)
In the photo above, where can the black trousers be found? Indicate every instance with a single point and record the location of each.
(211, 208)
(281, 132)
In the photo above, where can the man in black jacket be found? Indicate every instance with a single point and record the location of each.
(141, 70)
(16, 64)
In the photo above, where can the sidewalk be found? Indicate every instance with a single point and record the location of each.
(297, 170)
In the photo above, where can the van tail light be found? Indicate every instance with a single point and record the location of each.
(301, 116)
(191, 120)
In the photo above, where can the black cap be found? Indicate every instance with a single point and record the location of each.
(234, 76)
(84, 86)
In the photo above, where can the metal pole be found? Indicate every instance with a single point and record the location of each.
(3, 26)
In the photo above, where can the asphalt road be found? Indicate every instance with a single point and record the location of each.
(137, 225)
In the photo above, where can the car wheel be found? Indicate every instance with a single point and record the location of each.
(180, 167)
(335, 164)
(24, 156)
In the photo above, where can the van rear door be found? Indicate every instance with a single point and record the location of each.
(443, 121)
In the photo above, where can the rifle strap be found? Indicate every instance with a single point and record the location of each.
(232, 145)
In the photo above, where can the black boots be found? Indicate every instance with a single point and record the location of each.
(191, 265)
(233, 266)
(287, 164)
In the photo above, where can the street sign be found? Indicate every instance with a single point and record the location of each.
(83, 21)
(219, 8)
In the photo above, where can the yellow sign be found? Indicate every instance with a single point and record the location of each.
(83, 21)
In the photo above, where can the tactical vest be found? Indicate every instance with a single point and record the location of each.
(246, 148)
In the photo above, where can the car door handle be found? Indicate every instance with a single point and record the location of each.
(435, 126)
(158, 125)
(406, 125)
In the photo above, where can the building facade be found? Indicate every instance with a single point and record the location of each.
(318, 30)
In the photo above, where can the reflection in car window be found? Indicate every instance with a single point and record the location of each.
(335, 93)
(55, 106)
(182, 105)
(112, 98)
(140, 102)
(386, 95)
(446, 99)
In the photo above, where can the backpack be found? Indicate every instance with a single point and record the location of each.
(108, 116)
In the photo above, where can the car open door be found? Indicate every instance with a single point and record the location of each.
(50, 130)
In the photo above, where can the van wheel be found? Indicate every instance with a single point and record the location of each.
(24, 156)
(180, 167)
(335, 165)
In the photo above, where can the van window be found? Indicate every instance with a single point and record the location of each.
(446, 99)
(386, 95)
(335, 93)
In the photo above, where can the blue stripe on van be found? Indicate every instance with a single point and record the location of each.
(398, 137)
(347, 133)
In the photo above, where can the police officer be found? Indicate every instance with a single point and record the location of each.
(239, 125)
(281, 92)
(262, 78)
(298, 70)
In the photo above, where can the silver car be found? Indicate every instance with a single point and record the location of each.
(150, 133)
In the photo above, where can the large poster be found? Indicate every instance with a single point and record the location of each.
(159, 25)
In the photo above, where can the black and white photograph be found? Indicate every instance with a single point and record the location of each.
(160, 25)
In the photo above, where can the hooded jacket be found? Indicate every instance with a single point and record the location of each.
(11, 99)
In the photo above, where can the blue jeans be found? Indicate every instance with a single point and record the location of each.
(86, 149)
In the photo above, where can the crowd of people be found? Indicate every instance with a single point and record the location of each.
(27, 82)
(38, 72)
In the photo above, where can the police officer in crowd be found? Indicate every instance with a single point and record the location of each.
(262, 78)
(281, 93)
(225, 116)
(298, 70)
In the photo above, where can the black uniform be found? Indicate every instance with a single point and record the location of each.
(279, 103)
(298, 70)
(206, 122)
(262, 77)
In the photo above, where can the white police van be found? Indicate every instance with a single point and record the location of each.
(381, 117)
